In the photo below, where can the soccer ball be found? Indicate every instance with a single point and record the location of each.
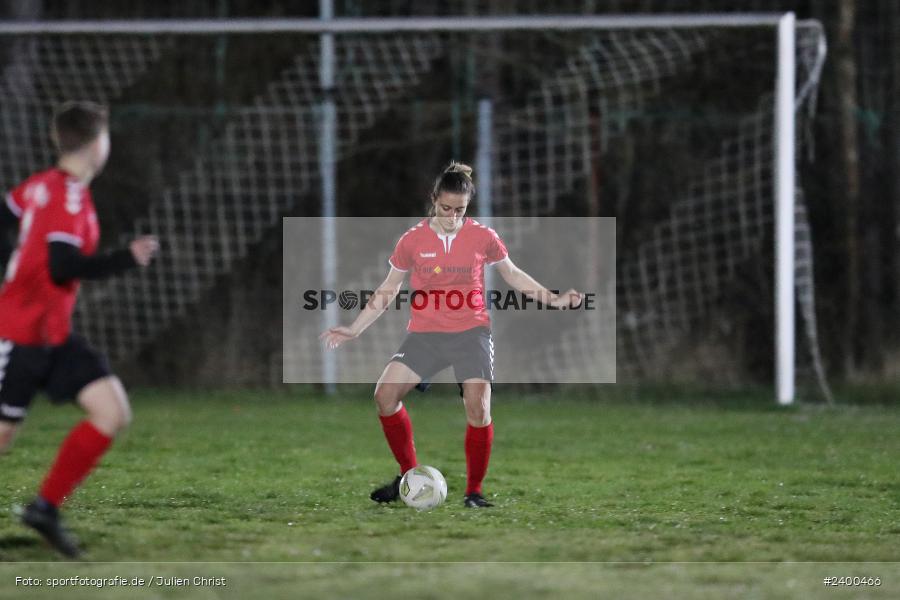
(423, 488)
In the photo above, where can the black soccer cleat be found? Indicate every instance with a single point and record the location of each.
(387, 493)
(476, 501)
(44, 518)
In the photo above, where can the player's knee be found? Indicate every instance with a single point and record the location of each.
(107, 406)
(125, 415)
(479, 417)
(387, 399)
(110, 421)
(477, 399)
(119, 414)
(478, 413)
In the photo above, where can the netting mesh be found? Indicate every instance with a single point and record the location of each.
(41, 72)
(263, 164)
(676, 268)
(669, 131)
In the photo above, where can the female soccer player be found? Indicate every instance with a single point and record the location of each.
(57, 242)
(449, 324)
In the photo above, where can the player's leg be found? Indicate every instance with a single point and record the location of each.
(474, 368)
(479, 438)
(395, 383)
(106, 407)
(23, 370)
(81, 373)
(476, 395)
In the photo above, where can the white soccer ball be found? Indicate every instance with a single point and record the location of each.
(423, 488)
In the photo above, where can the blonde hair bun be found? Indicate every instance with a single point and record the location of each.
(458, 167)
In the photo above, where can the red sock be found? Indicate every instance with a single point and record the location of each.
(77, 456)
(399, 434)
(478, 455)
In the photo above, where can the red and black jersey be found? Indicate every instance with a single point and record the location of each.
(52, 206)
(447, 275)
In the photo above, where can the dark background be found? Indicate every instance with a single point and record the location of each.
(851, 182)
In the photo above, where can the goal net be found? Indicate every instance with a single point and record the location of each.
(217, 137)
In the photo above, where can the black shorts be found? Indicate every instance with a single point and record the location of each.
(61, 371)
(469, 352)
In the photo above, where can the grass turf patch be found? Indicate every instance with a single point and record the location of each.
(273, 476)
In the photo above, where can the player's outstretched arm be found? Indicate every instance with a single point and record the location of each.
(68, 263)
(382, 298)
(526, 284)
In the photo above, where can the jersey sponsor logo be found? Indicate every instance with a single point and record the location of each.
(428, 254)
(438, 269)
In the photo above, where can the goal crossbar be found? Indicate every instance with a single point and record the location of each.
(388, 24)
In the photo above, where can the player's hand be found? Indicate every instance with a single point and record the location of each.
(336, 336)
(143, 249)
(568, 299)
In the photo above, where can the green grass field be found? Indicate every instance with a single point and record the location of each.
(250, 477)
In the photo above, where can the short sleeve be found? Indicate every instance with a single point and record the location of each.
(496, 249)
(66, 217)
(401, 258)
(15, 202)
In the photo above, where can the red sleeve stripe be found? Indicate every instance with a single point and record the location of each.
(62, 236)
(13, 206)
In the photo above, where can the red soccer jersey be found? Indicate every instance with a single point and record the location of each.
(52, 206)
(447, 275)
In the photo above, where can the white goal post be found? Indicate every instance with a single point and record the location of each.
(782, 24)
